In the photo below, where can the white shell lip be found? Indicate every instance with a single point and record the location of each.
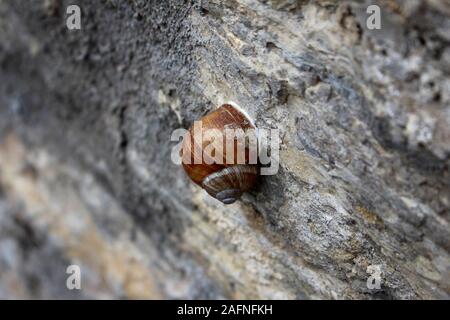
(239, 108)
(246, 115)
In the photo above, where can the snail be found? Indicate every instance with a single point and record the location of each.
(223, 164)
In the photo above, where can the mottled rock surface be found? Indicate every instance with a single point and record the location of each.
(85, 171)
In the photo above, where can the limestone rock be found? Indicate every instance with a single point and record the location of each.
(85, 172)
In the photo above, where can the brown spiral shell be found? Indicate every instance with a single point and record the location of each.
(224, 181)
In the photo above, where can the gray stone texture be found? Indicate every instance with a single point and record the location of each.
(85, 171)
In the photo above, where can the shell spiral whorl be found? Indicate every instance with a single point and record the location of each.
(228, 184)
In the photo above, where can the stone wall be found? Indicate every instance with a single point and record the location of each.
(85, 171)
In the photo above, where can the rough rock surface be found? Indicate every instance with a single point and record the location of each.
(85, 171)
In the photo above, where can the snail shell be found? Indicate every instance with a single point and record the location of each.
(227, 180)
